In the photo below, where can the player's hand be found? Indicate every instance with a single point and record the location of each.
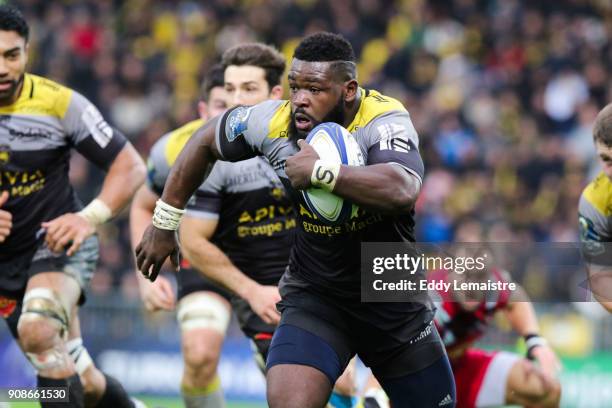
(299, 166)
(6, 218)
(65, 229)
(263, 300)
(155, 247)
(547, 359)
(158, 295)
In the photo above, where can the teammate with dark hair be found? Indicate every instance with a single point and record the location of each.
(49, 249)
(203, 308)
(323, 322)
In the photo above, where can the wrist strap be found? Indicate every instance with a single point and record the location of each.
(166, 217)
(96, 212)
(324, 175)
(532, 341)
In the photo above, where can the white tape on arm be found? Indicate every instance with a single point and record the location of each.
(167, 217)
(96, 212)
(324, 175)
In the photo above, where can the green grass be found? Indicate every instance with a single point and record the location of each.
(155, 402)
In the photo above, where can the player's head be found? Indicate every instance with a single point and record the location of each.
(322, 82)
(253, 73)
(14, 32)
(213, 98)
(602, 135)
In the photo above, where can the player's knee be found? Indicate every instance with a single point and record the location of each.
(200, 356)
(43, 321)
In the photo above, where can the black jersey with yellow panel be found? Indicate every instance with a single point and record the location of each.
(326, 258)
(37, 133)
(255, 217)
(595, 221)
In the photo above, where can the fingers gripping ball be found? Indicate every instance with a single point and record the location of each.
(335, 147)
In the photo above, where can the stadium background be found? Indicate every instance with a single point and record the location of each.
(502, 93)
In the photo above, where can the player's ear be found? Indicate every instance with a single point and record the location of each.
(276, 92)
(351, 87)
(203, 109)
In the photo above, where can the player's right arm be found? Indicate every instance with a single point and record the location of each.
(211, 262)
(595, 246)
(197, 230)
(223, 137)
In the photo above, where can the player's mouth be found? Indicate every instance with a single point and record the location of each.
(303, 122)
(5, 85)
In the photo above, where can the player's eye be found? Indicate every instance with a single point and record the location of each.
(314, 90)
(293, 88)
(12, 56)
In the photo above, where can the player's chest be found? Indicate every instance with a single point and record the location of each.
(31, 132)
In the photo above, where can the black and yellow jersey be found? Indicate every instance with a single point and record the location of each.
(37, 133)
(595, 220)
(255, 217)
(325, 257)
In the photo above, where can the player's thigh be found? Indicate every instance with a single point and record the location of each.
(308, 340)
(527, 384)
(203, 318)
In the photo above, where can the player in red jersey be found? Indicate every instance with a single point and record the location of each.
(494, 378)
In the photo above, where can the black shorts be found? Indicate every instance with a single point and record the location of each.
(189, 280)
(259, 332)
(391, 342)
(16, 272)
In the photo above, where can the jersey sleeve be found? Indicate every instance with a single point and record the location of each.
(158, 168)
(391, 138)
(242, 132)
(90, 134)
(594, 233)
(206, 202)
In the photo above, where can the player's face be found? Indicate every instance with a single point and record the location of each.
(13, 59)
(246, 85)
(316, 96)
(217, 101)
(605, 156)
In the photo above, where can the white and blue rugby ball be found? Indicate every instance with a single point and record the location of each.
(333, 143)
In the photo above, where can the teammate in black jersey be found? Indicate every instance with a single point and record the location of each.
(323, 322)
(49, 249)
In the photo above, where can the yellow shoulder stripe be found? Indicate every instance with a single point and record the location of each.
(371, 106)
(599, 193)
(279, 124)
(178, 138)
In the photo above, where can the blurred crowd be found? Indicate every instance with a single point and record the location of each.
(503, 93)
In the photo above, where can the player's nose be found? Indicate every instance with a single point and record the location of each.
(300, 99)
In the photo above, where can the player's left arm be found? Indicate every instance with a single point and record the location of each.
(391, 180)
(523, 319)
(106, 147)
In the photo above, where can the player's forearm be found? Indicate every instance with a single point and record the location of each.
(191, 166)
(381, 187)
(522, 318)
(207, 258)
(124, 177)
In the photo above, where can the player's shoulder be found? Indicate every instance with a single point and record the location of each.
(47, 97)
(267, 119)
(597, 195)
(170, 145)
(375, 105)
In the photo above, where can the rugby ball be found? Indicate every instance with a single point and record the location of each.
(333, 143)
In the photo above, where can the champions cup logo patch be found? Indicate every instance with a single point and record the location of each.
(238, 122)
(4, 155)
(7, 306)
